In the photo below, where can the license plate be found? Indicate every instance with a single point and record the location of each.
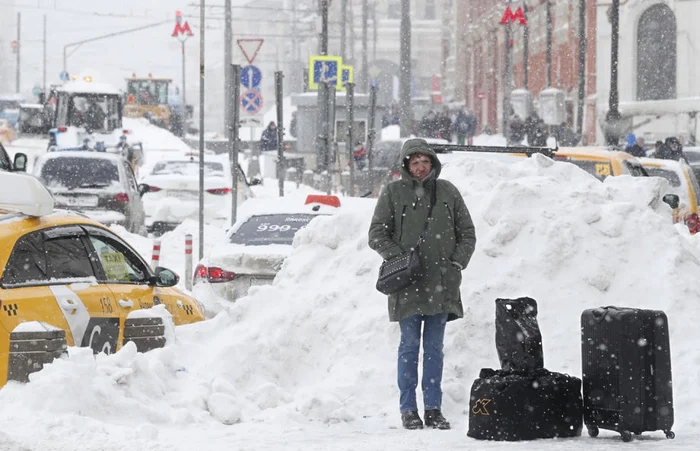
(77, 201)
(183, 194)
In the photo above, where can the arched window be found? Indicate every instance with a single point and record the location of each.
(656, 54)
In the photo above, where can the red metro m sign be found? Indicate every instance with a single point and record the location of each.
(181, 31)
(513, 17)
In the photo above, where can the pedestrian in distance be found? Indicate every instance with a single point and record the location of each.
(471, 127)
(517, 131)
(637, 149)
(422, 204)
(268, 140)
(461, 126)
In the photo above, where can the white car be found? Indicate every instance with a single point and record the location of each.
(173, 191)
(260, 241)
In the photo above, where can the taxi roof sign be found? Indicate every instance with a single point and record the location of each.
(332, 201)
(22, 193)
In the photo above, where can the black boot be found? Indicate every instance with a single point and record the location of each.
(411, 420)
(435, 420)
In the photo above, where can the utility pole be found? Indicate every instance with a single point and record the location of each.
(234, 125)
(507, 78)
(582, 42)
(324, 27)
(548, 43)
(43, 81)
(19, 51)
(228, 59)
(350, 119)
(375, 34)
(281, 161)
(201, 129)
(370, 126)
(405, 110)
(526, 47)
(343, 28)
(612, 118)
(364, 77)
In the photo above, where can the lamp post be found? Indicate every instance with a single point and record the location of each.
(613, 125)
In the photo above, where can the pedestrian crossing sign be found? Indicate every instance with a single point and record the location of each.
(326, 69)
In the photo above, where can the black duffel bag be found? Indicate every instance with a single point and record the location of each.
(519, 405)
(518, 337)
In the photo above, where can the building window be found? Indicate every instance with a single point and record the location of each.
(656, 54)
(430, 9)
(394, 11)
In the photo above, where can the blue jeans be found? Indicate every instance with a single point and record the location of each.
(433, 337)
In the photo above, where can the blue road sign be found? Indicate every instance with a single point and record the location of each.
(251, 77)
(251, 101)
(324, 69)
(64, 76)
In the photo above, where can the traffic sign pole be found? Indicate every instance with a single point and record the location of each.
(280, 131)
(233, 138)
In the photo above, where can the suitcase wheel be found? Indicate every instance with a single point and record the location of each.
(593, 431)
(670, 435)
(626, 436)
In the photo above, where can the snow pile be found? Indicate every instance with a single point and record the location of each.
(315, 351)
(152, 137)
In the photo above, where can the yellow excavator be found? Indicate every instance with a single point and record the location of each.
(148, 97)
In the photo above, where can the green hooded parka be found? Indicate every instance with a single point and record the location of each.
(397, 223)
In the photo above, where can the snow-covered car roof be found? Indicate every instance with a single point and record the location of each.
(296, 204)
(80, 154)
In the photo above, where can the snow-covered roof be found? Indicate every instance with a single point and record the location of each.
(91, 87)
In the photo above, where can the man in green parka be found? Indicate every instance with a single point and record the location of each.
(448, 244)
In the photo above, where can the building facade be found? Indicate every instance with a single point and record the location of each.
(483, 55)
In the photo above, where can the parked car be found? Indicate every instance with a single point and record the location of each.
(259, 242)
(683, 183)
(173, 191)
(19, 163)
(66, 280)
(601, 162)
(98, 184)
(7, 132)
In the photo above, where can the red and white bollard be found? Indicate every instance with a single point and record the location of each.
(188, 261)
(155, 257)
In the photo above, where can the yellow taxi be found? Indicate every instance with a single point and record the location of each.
(683, 183)
(600, 161)
(66, 280)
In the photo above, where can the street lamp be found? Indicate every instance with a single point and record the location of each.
(613, 123)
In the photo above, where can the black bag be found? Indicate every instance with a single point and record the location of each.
(626, 363)
(404, 270)
(518, 337)
(519, 405)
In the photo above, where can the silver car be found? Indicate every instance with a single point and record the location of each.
(258, 244)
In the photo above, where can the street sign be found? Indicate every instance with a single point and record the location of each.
(510, 17)
(251, 77)
(181, 31)
(481, 95)
(251, 101)
(325, 69)
(346, 75)
(64, 76)
(251, 121)
(250, 48)
(14, 45)
(36, 90)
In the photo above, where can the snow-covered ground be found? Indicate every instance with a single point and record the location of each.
(309, 362)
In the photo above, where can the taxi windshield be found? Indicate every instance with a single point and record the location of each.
(271, 229)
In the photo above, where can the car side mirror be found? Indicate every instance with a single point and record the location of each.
(255, 181)
(143, 188)
(165, 277)
(672, 200)
(20, 162)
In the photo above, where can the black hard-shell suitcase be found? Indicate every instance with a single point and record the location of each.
(626, 363)
(518, 337)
